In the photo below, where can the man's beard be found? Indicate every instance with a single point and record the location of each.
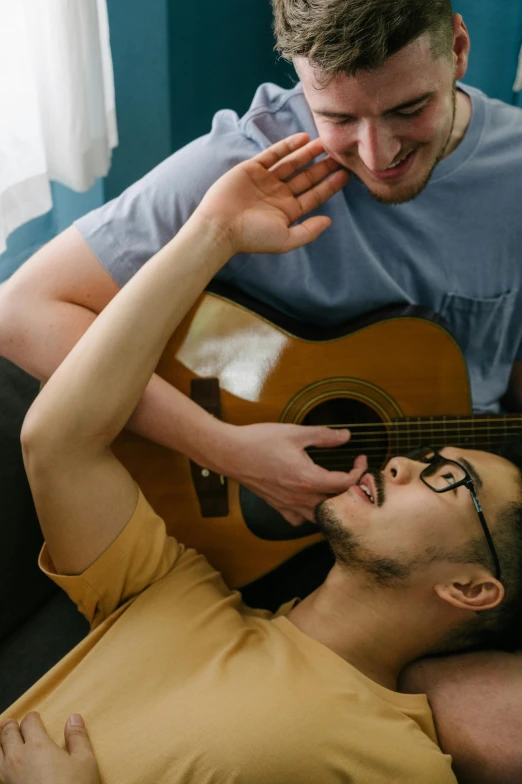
(417, 190)
(392, 570)
(352, 554)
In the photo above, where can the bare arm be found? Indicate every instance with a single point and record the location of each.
(478, 715)
(84, 496)
(48, 305)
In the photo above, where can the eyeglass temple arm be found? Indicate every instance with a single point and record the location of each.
(487, 534)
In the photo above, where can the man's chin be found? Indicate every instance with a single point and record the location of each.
(398, 194)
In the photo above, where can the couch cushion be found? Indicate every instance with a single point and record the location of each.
(23, 587)
(34, 647)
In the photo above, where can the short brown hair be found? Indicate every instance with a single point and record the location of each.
(347, 36)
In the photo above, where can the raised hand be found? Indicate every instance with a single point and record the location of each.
(256, 204)
(29, 756)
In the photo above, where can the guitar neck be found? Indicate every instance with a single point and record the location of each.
(380, 440)
(482, 431)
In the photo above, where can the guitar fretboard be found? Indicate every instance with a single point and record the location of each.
(381, 440)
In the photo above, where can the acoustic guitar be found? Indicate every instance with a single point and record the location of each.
(396, 379)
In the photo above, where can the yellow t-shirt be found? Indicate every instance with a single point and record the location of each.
(179, 681)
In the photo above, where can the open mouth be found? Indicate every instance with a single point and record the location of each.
(367, 484)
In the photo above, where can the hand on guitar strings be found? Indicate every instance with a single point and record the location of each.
(270, 460)
(256, 204)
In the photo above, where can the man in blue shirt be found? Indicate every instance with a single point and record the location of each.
(430, 216)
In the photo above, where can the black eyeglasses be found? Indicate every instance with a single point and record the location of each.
(442, 475)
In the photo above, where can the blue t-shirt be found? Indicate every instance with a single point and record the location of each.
(456, 248)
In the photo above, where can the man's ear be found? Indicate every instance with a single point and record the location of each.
(461, 46)
(474, 591)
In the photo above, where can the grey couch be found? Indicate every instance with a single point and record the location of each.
(38, 623)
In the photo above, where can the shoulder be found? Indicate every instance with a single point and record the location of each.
(127, 231)
(273, 114)
(502, 121)
(276, 113)
(187, 174)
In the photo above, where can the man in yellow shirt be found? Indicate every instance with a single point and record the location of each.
(178, 680)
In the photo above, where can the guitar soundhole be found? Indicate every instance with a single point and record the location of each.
(369, 437)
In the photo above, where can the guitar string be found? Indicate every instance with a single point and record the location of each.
(435, 431)
(341, 460)
(368, 447)
(341, 463)
(379, 443)
(371, 435)
(481, 423)
(381, 448)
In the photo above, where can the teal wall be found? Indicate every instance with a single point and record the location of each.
(178, 62)
(495, 27)
(219, 53)
(140, 49)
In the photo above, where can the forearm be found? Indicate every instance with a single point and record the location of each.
(163, 414)
(469, 694)
(95, 391)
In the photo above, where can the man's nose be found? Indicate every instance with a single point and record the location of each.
(377, 147)
(401, 470)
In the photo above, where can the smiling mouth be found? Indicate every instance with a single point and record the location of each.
(395, 165)
(397, 169)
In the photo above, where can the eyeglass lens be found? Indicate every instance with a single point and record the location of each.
(440, 475)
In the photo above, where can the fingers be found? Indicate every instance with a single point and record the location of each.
(321, 435)
(10, 736)
(323, 191)
(335, 482)
(360, 464)
(274, 154)
(286, 167)
(76, 737)
(307, 231)
(292, 162)
(312, 176)
(32, 726)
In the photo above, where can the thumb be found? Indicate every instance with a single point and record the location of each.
(76, 736)
(360, 466)
(320, 435)
(336, 482)
(307, 231)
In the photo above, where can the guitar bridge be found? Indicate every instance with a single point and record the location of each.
(211, 488)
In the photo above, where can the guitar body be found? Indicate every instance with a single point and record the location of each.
(376, 371)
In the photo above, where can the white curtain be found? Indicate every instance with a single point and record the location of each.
(57, 107)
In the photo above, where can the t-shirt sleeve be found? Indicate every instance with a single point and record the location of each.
(128, 231)
(141, 555)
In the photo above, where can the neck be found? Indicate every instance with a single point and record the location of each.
(377, 630)
(463, 113)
